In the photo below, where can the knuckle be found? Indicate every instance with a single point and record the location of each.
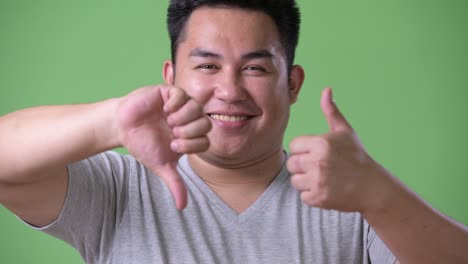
(296, 163)
(325, 197)
(196, 145)
(290, 164)
(324, 144)
(318, 199)
(195, 108)
(209, 126)
(309, 198)
(183, 147)
(204, 143)
(295, 180)
(180, 132)
(293, 143)
(323, 164)
(179, 95)
(171, 120)
(176, 132)
(321, 201)
(296, 143)
(320, 184)
(176, 91)
(206, 123)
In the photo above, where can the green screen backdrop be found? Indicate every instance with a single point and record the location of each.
(399, 70)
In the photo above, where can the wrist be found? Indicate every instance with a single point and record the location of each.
(383, 193)
(107, 132)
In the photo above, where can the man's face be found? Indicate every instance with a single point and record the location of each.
(232, 62)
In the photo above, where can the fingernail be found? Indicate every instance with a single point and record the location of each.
(331, 94)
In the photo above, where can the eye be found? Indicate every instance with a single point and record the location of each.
(209, 67)
(255, 68)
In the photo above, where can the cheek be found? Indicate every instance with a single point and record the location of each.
(200, 90)
(198, 87)
(271, 94)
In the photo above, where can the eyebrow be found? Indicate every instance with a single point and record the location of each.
(256, 54)
(204, 54)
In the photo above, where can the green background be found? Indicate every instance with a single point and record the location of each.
(399, 69)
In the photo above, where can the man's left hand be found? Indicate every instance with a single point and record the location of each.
(333, 170)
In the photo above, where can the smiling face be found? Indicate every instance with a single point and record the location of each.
(232, 62)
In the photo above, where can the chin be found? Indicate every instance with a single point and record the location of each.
(234, 158)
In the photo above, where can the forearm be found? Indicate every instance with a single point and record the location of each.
(38, 139)
(414, 231)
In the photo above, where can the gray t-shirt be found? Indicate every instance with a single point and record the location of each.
(117, 211)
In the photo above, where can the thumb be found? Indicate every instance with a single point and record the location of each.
(175, 183)
(336, 120)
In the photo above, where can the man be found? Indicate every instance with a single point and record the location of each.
(226, 101)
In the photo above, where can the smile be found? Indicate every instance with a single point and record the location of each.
(228, 118)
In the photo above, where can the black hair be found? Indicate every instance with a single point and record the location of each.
(284, 13)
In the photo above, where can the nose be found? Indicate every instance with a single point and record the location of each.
(230, 88)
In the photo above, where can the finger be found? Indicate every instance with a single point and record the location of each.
(189, 112)
(294, 164)
(193, 145)
(336, 120)
(176, 185)
(308, 197)
(174, 98)
(301, 144)
(197, 128)
(317, 146)
(301, 182)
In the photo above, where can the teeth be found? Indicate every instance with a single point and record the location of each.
(228, 118)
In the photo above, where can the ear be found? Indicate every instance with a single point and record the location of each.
(296, 79)
(168, 72)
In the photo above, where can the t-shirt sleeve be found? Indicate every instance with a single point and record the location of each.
(96, 197)
(379, 253)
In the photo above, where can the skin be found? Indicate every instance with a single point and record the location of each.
(157, 124)
(34, 186)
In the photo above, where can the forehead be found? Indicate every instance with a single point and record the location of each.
(231, 30)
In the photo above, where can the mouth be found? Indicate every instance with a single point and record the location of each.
(229, 118)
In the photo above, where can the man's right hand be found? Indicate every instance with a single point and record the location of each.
(159, 123)
(156, 124)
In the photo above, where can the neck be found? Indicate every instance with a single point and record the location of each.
(241, 186)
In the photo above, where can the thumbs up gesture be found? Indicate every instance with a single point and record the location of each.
(333, 170)
(157, 125)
